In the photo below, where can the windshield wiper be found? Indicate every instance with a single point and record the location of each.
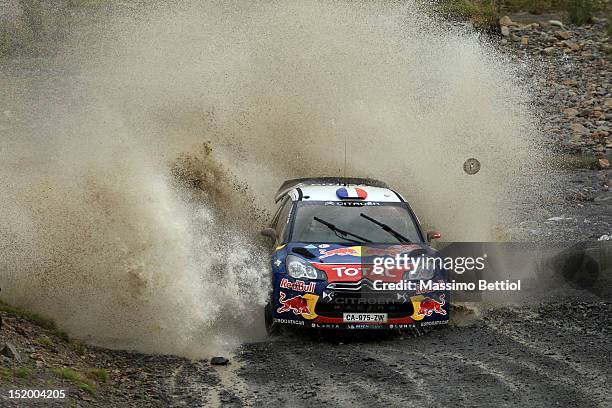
(342, 232)
(387, 228)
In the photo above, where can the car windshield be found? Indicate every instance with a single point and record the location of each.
(347, 216)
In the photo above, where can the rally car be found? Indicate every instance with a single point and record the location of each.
(331, 238)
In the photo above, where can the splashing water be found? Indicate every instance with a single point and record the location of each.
(147, 151)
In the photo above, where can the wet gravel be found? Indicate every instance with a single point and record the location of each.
(550, 355)
(569, 67)
(571, 72)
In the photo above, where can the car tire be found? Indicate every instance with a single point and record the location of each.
(273, 329)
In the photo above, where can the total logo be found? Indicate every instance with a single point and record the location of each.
(352, 271)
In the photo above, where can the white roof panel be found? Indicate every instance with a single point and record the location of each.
(328, 193)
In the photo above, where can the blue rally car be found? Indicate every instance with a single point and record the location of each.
(346, 256)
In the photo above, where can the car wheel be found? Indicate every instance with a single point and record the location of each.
(273, 329)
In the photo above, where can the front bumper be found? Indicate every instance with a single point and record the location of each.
(325, 305)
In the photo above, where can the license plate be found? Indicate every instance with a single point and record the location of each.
(365, 318)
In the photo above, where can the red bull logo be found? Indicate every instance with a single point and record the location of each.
(299, 286)
(303, 305)
(429, 306)
(426, 306)
(345, 251)
(296, 304)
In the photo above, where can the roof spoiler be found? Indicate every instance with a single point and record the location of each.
(294, 183)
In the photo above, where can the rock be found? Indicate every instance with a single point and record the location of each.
(572, 45)
(219, 361)
(564, 35)
(605, 237)
(578, 128)
(549, 50)
(524, 40)
(599, 134)
(556, 23)
(10, 351)
(608, 103)
(571, 112)
(515, 38)
(505, 21)
(569, 82)
(603, 163)
(505, 31)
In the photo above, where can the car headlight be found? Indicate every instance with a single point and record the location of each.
(299, 268)
(422, 272)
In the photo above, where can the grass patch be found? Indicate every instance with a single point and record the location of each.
(486, 13)
(98, 374)
(22, 372)
(482, 13)
(10, 373)
(78, 346)
(35, 318)
(531, 6)
(31, 316)
(67, 374)
(88, 388)
(5, 373)
(581, 12)
(45, 341)
(61, 334)
(80, 380)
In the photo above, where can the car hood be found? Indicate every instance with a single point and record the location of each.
(342, 253)
(336, 259)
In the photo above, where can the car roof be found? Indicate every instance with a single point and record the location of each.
(328, 193)
(292, 184)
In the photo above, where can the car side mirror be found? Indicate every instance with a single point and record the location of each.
(269, 232)
(431, 235)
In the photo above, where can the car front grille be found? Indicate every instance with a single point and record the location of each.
(359, 297)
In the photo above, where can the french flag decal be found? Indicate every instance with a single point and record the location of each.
(351, 192)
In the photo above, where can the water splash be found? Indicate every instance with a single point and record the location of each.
(121, 225)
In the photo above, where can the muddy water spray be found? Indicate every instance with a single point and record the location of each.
(121, 225)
